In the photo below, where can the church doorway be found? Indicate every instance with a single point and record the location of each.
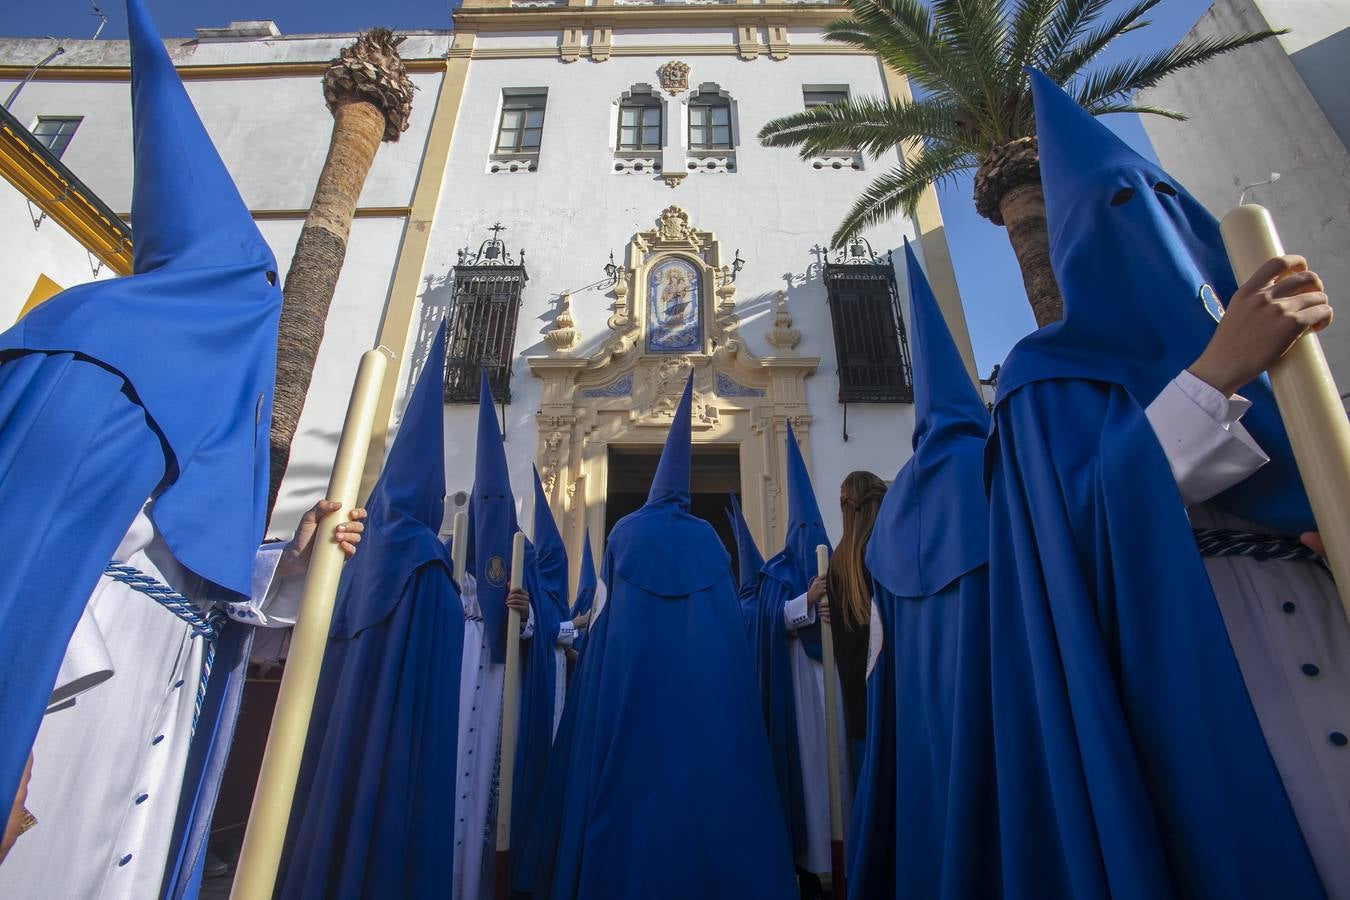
(715, 474)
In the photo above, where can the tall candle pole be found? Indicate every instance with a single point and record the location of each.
(832, 741)
(459, 547)
(271, 813)
(1308, 400)
(510, 726)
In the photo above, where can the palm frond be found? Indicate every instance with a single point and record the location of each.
(1143, 109)
(900, 190)
(1026, 33)
(1067, 25)
(1073, 58)
(1146, 71)
(974, 29)
(872, 125)
(902, 33)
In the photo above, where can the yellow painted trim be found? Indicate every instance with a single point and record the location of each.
(362, 212)
(601, 52)
(43, 289)
(477, 15)
(197, 73)
(412, 254)
(68, 207)
(937, 257)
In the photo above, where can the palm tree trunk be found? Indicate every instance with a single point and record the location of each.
(358, 127)
(1023, 212)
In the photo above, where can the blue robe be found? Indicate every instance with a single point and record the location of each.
(748, 563)
(925, 816)
(1130, 761)
(179, 405)
(668, 789)
(374, 806)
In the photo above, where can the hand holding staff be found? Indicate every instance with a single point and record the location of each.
(832, 740)
(1308, 400)
(459, 548)
(510, 725)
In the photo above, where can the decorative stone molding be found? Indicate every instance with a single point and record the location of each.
(625, 393)
(673, 179)
(569, 50)
(674, 77)
(843, 159)
(717, 164)
(747, 40)
(628, 164)
(563, 335)
(783, 336)
(602, 42)
(512, 163)
(779, 48)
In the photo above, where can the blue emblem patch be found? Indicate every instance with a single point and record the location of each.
(1211, 302)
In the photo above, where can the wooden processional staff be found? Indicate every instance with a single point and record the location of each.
(832, 741)
(510, 726)
(1308, 400)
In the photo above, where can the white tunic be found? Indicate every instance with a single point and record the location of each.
(808, 690)
(481, 686)
(108, 763)
(1285, 620)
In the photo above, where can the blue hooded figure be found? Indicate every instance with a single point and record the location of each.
(550, 598)
(669, 789)
(1130, 762)
(375, 802)
(791, 676)
(924, 819)
(492, 527)
(157, 385)
(748, 563)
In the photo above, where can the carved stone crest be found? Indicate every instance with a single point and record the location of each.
(674, 224)
(674, 77)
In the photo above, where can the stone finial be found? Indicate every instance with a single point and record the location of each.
(563, 335)
(783, 335)
(674, 77)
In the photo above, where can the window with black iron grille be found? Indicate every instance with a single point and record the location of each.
(869, 332)
(482, 334)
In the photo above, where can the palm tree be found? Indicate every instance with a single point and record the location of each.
(967, 59)
(370, 96)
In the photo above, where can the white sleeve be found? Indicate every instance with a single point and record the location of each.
(276, 601)
(798, 613)
(1207, 448)
(876, 639)
(468, 598)
(527, 627)
(567, 633)
(87, 663)
(598, 602)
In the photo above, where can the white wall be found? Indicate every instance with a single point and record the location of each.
(1251, 114)
(574, 210)
(47, 250)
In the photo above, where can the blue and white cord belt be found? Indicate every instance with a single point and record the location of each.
(1230, 542)
(206, 626)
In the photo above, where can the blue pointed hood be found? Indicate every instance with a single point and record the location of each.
(405, 509)
(193, 330)
(933, 524)
(748, 558)
(493, 510)
(644, 543)
(586, 581)
(1143, 271)
(670, 485)
(795, 564)
(549, 551)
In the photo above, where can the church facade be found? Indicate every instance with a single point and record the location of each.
(582, 194)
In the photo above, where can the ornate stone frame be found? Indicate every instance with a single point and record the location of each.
(622, 395)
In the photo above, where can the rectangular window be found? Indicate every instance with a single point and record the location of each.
(869, 334)
(522, 126)
(482, 333)
(55, 132)
(709, 127)
(639, 127)
(823, 96)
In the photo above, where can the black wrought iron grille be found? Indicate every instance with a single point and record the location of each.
(869, 334)
(483, 331)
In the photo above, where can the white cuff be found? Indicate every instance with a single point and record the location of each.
(876, 639)
(468, 598)
(1207, 448)
(527, 627)
(598, 603)
(276, 601)
(567, 633)
(798, 613)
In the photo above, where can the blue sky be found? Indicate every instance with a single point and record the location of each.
(986, 270)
